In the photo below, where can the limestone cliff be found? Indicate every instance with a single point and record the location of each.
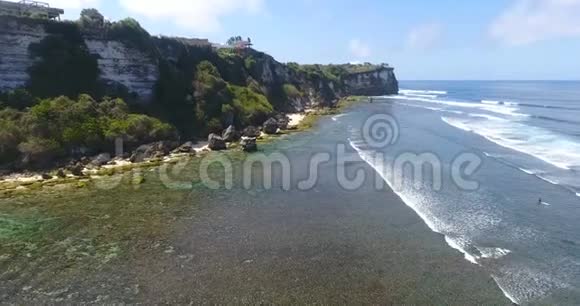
(15, 38)
(137, 68)
(375, 82)
(129, 67)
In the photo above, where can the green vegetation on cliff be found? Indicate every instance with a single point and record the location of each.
(55, 127)
(64, 65)
(199, 90)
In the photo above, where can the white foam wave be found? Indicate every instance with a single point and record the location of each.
(489, 117)
(460, 244)
(422, 92)
(493, 253)
(543, 144)
(493, 102)
(457, 245)
(336, 117)
(522, 284)
(371, 161)
(422, 96)
(551, 181)
(458, 125)
(530, 172)
(498, 109)
(434, 224)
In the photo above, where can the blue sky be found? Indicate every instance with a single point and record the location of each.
(445, 39)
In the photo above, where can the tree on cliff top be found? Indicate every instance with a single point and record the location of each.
(130, 32)
(91, 19)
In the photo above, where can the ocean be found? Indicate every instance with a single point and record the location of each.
(518, 217)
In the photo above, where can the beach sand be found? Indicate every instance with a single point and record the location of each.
(295, 119)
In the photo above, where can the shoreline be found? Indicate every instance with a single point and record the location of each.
(250, 244)
(21, 180)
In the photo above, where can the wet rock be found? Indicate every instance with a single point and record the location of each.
(60, 173)
(230, 134)
(271, 126)
(76, 169)
(216, 143)
(152, 150)
(101, 159)
(251, 131)
(249, 144)
(283, 121)
(187, 147)
(46, 176)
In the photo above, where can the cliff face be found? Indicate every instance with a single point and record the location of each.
(138, 70)
(129, 67)
(15, 38)
(377, 82)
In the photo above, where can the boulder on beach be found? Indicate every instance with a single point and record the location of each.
(283, 121)
(216, 143)
(76, 169)
(153, 150)
(187, 147)
(101, 159)
(271, 126)
(251, 131)
(249, 144)
(230, 134)
(60, 173)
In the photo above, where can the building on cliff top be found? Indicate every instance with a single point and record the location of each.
(28, 8)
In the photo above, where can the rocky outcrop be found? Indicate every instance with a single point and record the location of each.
(216, 143)
(187, 147)
(271, 126)
(152, 150)
(101, 159)
(376, 82)
(251, 131)
(249, 144)
(283, 121)
(230, 134)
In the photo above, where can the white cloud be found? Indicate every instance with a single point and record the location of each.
(74, 4)
(424, 36)
(529, 21)
(359, 49)
(197, 15)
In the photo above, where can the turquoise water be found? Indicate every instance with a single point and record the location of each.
(526, 136)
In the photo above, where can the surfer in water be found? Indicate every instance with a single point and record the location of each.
(371, 99)
(540, 202)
